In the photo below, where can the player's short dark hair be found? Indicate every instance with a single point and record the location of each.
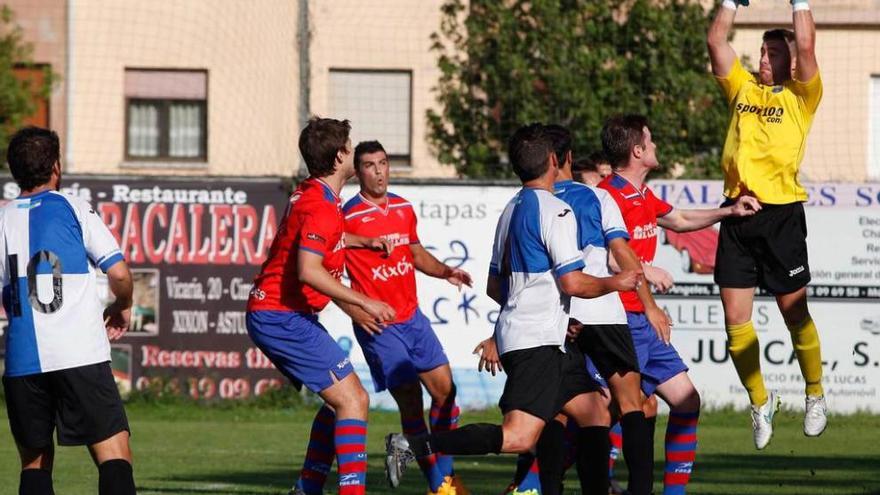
(528, 149)
(320, 141)
(560, 136)
(590, 163)
(620, 134)
(31, 154)
(584, 165)
(365, 147)
(785, 35)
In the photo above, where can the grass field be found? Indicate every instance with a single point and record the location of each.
(181, 449)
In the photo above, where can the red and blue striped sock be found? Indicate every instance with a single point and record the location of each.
(415, 427)
(616, 444)
(681, 449)
(351, 454)
(531, 480)
(319, 454)
(444, 417)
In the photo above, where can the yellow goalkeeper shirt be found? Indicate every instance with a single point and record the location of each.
(767, 134)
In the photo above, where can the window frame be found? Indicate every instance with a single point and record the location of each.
(164, 104)
(395, 160)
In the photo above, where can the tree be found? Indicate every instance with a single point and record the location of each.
(574, 62)
(17, 96)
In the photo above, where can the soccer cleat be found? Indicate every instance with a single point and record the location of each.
(815, 415)
(762, 420)
(460, 489)
(397, 456)
(614, 488)
(296, 491)
(447, 488)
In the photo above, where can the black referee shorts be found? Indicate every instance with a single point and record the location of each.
(83, 403)
(541, 380)
(767, 250)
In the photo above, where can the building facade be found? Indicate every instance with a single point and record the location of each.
(200, 87)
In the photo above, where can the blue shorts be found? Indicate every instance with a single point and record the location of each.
(658, 362)
(401, 352)
(299, 347)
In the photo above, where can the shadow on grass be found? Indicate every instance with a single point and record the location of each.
(482, 475)
(812, 473)
(716, 474)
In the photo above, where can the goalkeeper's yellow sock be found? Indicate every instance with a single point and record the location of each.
(805, 339)
(742, 342)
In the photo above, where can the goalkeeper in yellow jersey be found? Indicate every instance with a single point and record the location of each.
(771, 114)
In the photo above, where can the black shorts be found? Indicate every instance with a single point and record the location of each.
(541, 380)
(767, 250)
(610, 347)
(83, 403)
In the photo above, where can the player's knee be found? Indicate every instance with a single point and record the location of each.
(520, 440)
(690, 402)
(444, 394)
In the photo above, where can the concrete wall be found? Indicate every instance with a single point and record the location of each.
(249, 50)
(43, 23)
(380, 34)
(848, 50)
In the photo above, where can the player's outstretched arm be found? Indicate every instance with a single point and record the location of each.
(688, 220)
(721, 53)
(311, 271)
(806, 66)
(118, 315)
(429, 265)
(579, 284)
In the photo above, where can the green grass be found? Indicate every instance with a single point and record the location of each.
(183, 449)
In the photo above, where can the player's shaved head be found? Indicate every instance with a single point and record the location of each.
(528, 150)
(620, 135)
(31, 155)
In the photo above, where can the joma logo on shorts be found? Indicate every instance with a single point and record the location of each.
(792, 273)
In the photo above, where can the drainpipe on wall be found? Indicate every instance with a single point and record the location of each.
(68, 91)
(303, 40)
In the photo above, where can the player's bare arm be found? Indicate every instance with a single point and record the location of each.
(311, 271)
(806, 66)
(118, 315)
(689, 220)
(360, 317)
(721, 53)
(579, 284)
(627, 260)
(372, 243)
(426, 263)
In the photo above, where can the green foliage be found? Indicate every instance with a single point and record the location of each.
(574, 62)
(16, 96)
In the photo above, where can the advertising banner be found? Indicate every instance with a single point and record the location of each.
(195, 246)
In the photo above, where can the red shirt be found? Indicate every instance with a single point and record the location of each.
(313, 222)
(640, 210)
(391, 279)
